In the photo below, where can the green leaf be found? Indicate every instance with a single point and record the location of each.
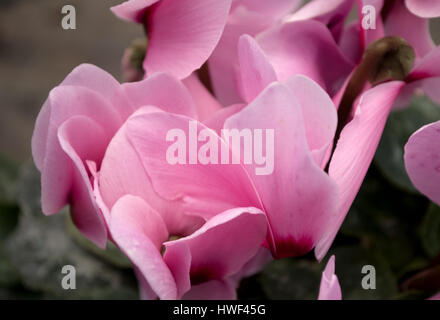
(9, 276)
(8, 178)
(383, 218)
(8, 219)
(291, 279)
(40, 247)
(430, 231)
(401, 124)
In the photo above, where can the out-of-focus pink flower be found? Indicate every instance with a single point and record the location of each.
(424, 8)
(422, 160)
(394, 19)
(331, 13)
(181, 34)
(415, 30)
(330, 288)
(257, 19)
(75, 126)
(246, 17)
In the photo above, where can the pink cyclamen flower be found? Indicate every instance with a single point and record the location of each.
(75, 125)
(422, 160)
(358, 140)
(79, 137)
(330, 288)
(301, 113)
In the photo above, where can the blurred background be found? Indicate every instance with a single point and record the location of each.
(36, 54)
(390, 226)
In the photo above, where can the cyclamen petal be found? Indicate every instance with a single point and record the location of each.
(75, 126)
(422, 160)
(297, 221)
(182, 34)
(424, 8)
(355, 150)
(140, 231)
(245, 229)
(281, 46)
(330, 288)
(415, 30)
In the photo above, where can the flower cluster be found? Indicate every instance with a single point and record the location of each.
(311, 73)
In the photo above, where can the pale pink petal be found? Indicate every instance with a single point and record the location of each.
(103, 83)
(425, 76)
(89, 77)
(182, 34)
(322, 10)
(431, 88)
(273, 8)
(253, 266)
(83, 139)
(39, 137)
(428, 66)
(139, 232)
(205, 103)
(298, 47)
(255, 71)
(330, 288)
(220, 248)
(223, 61)
(212, 290)
(424, 8)
(289, 192)
(414, 30)
(329, 12)
(122, 172)
(355, 150)
(162, 91)
(217, 121)
(319, 113)
(63, 103)
(133, 10)
(422, 160)
(145, 291)
(204, 189)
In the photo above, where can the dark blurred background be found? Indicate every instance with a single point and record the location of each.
(36, 53)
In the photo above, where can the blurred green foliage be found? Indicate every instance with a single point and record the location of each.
(401, 124)
(34, 248)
